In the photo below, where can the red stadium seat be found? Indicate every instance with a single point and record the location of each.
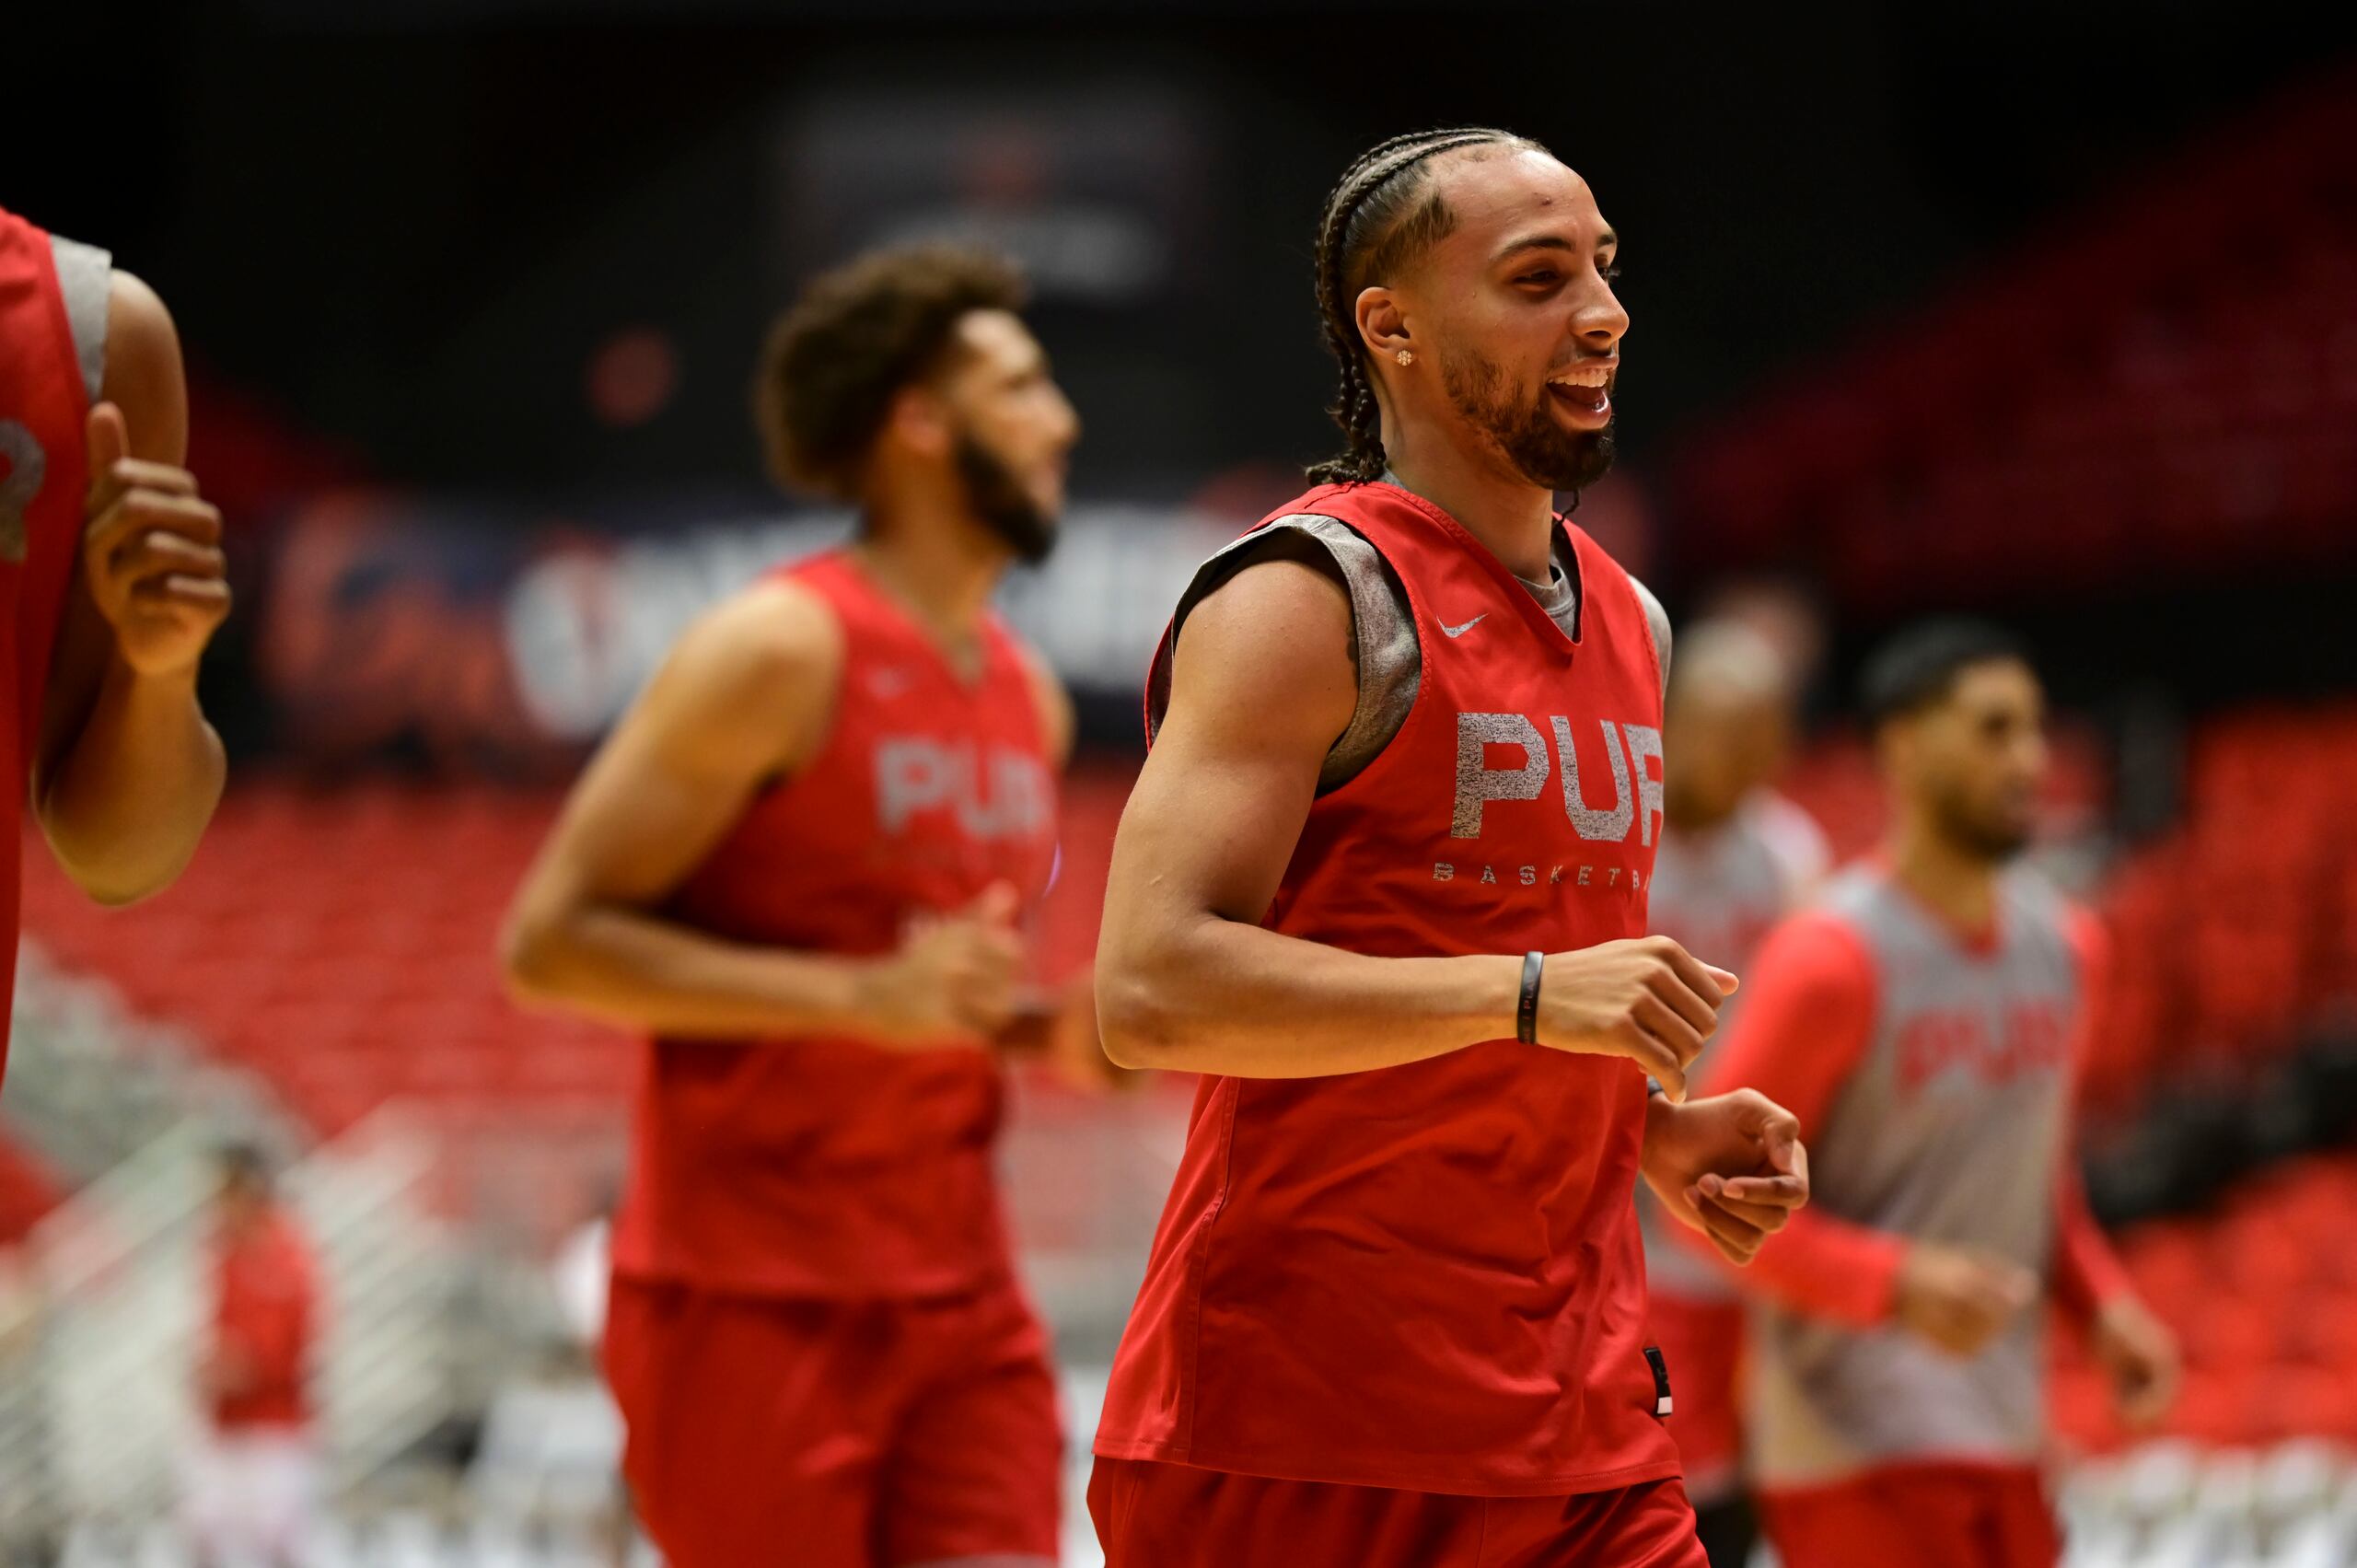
(2168, 1262)
(2287, 1401)
(2230, 1333)
(2213, 1407)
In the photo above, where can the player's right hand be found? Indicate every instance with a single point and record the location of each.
(151, 552)
(1958, 1298)
(1645, 998)
(953, 980)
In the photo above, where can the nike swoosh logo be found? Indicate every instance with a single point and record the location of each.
(1448, 630)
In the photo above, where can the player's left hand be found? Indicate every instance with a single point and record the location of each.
(151, 552)
(2138, 1357)
(1732, 1166)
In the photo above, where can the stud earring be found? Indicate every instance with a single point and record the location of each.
(1406, 356)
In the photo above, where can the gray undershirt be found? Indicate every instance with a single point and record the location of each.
(85, 282)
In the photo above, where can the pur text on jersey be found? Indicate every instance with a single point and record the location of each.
(1478, 783)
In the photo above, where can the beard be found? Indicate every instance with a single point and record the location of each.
(1541, 449)
(997, 498)
(1988, 835)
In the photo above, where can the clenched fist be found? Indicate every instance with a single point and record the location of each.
(151, 553)
(1961, 1299)
(1731, 1165)
(1648, 999)
(953, 979)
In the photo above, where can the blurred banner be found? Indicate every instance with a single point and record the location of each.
(402, 623)
(1097, 189)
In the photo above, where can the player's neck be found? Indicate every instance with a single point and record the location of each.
(1504, 511)
(943, 570)
(1958, 885)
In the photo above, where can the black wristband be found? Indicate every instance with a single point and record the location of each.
(1525, 1009)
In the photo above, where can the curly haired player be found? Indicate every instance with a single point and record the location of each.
(798, 865)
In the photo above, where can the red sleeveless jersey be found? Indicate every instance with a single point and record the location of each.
(44, 401)
(1429, 1276)
(814, 1166)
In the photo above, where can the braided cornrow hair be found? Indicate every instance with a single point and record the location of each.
(1367, 232)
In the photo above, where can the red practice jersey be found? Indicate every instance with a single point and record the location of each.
(831, 1168)
(53, 359)
(265, 1321)
(1428, 1277)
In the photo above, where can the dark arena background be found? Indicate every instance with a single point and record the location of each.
(2043, 313)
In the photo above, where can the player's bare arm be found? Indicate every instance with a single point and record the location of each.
(1186, 976)
(743, 699)
(127, 772)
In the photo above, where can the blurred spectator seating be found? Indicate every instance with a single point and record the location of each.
(2171, 381)
(2238, 928)
(341, 942)
(2264, 1305)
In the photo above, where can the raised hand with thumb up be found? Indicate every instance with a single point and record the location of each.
(151, 552)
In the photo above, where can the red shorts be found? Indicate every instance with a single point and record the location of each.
(770, 1433)
(1151, 1515)
(1928, 1515)
(1702, 1343)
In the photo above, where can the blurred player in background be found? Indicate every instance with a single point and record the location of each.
(254, 1482)
(1383, 881)
(799, 863)
(111, 572)
(1921, 1021)
(1735, 858)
